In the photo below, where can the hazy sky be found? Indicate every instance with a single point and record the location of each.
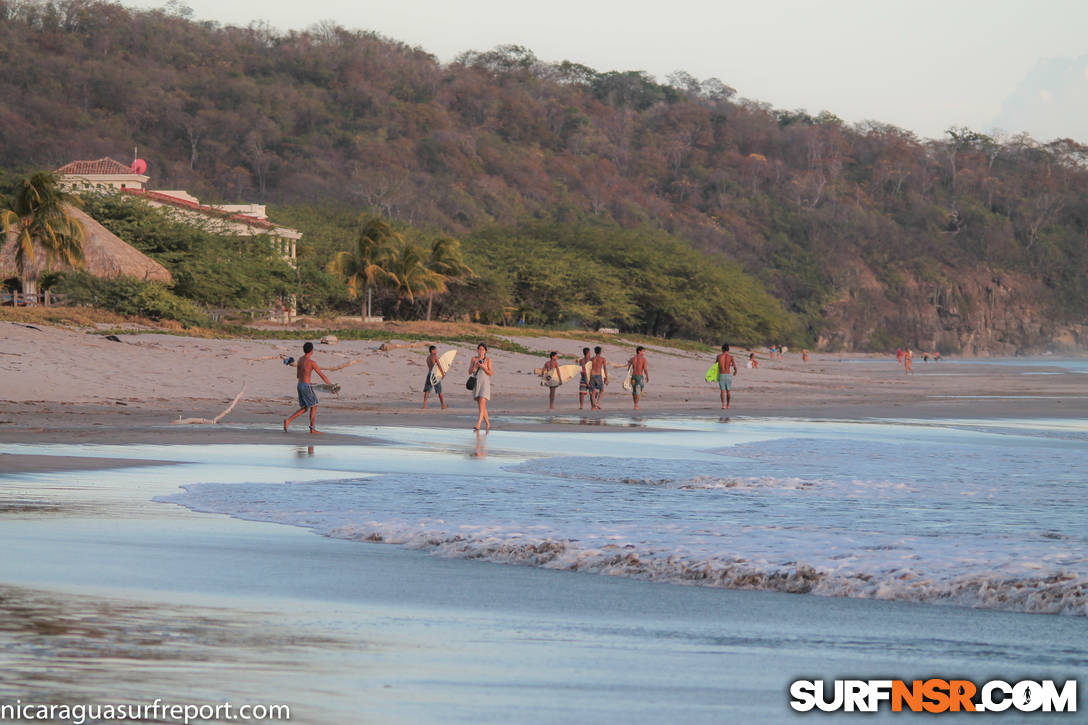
(921, 64)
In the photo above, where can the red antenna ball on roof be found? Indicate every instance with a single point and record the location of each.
(139, 166)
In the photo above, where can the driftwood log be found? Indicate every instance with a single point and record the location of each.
(216, 419)
(348, 364)
(387, 346)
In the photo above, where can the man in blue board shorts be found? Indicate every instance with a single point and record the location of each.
(727, 368)
(307, 399)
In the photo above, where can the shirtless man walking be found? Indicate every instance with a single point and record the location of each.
(598, 378)
(432, 360)
(727, 368)
(552, 365)
(307, 398)
(583, 381)
(640, 374)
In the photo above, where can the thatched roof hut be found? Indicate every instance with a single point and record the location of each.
(104, 255)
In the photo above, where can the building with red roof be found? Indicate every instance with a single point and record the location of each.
(244, 220)
(103, 174)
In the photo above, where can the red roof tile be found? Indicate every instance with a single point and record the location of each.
(201, 208)
(100, 166)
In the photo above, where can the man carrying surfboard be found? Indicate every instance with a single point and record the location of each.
(727, 368)
(640, 374)
(552, 368)
(307, 398)
(598, 377)
(583, 383)
(432, 360)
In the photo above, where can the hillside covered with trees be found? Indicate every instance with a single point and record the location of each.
(866, 235)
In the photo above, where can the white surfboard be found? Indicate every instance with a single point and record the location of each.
(627, 379)
(445, 360)
(333, 388)
(566, 372)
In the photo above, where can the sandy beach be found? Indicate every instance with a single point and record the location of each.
(61, 384)
(145, 559)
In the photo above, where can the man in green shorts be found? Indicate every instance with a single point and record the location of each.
(640, 374)
(727, 368)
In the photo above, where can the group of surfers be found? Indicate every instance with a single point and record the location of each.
(593, 377)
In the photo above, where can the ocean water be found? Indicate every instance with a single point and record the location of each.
(973, 513)
(1059, 365)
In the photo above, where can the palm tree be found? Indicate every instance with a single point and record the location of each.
(364, 264)
(38, 214)
(446, 261)
(407, 275)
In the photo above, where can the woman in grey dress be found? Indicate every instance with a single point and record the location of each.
(480, 367)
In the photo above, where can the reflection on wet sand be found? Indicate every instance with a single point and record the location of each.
(481, 445)
(74, 648)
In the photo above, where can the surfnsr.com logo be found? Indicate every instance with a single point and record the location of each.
(933, 695)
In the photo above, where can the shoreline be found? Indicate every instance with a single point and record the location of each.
(91, 425)
(259, 421)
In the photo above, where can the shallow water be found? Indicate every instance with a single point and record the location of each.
(1064, 364)
(941, 512)
(984, 513)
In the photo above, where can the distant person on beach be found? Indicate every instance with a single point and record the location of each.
(804, 355)
(432, 360)
(553, 366)
(640, 374)
(727, 368)
(936, 356)
(307, 398)
(899, 356)
(925, 356)
(598, 378)
(907, 357)
(583, 379)
(753, 362)
(481, 369)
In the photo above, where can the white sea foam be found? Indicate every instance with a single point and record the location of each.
(1055, 594)
(695, 475)
(970, 517)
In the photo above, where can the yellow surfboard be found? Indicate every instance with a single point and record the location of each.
(566, 372)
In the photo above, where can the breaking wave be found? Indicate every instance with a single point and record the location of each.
(883, 568)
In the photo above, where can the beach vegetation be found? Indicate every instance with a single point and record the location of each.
(364, 265)
(131, 297)
(214, 270)
(35, 217)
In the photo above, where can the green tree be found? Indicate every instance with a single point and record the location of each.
(37, 213)
(364, 265)
(406, 274)
(445, 260)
